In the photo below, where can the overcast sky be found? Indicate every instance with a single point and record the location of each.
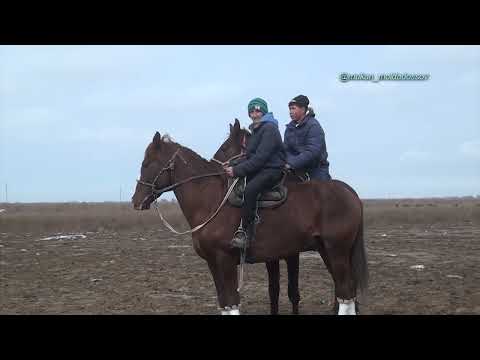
(75, 120)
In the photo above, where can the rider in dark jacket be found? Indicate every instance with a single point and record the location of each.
(265, 159)
(305, 141)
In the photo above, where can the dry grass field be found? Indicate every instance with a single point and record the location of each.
(106, 258)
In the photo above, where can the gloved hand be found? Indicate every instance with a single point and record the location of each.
(236, 161)
(228, 170)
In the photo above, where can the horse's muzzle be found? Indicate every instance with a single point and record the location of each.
(145, 203)
(141, 207)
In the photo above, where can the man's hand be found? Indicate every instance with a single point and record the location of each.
(287, 167)
(228, 170)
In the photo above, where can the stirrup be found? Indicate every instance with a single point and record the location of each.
(240, 239)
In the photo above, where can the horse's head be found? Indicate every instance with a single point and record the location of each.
(234, 145)
(156, 172)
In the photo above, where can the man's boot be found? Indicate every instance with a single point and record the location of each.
(250, 230)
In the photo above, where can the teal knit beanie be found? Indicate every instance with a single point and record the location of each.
(258, 104)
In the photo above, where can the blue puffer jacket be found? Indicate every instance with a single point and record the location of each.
(306, 148)
(264, 149)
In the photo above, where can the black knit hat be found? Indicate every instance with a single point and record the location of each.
(300, 100)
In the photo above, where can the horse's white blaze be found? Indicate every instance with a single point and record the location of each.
(346, 307)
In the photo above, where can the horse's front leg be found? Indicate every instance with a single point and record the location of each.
(216, 279)
(224, 272)
(273, 269)
(293, 265)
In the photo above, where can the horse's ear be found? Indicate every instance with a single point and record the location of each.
(236, 126)
(235, 130)
(157, 140)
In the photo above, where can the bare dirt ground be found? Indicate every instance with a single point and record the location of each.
(151, 271)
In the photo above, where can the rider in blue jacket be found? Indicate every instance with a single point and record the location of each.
(265, 160)
(304, 141)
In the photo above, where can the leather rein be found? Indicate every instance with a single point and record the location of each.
(170, 166)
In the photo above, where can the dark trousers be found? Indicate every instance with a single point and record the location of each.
(256, 184)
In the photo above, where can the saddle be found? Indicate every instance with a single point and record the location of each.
(267, 199)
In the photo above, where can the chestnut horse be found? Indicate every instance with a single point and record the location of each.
(235, 144)
(318, 215)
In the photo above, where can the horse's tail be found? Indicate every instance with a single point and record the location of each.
(359, 255)
(359, 260)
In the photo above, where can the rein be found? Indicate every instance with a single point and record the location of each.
(170, 166)
(177, 184)
(198, 227)
(226, 162)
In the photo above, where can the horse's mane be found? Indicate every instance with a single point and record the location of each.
(246, 131)
(206, 165)
(167, 138)
(189, 154)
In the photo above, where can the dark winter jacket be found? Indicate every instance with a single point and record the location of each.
(264, 149)
(306, 148)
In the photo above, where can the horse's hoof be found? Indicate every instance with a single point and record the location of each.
(357, 308)
(335, 309)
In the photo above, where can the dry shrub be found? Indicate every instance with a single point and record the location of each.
(78, 217)
(71, 217)
(421, 211)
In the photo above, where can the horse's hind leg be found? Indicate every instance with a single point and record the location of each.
(293, 264)
(339, 260)
(273, 269)
(324, 256)
(335, 307)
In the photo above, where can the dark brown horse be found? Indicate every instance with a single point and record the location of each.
(323, 216)
(236, 143)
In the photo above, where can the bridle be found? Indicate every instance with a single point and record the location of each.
(170, 167)
(242, 153)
